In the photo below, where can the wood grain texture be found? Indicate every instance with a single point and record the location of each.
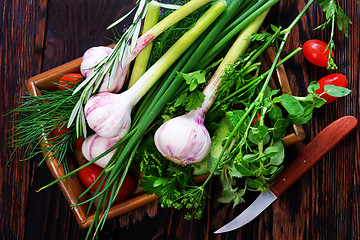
(324, 204)
(314, 151)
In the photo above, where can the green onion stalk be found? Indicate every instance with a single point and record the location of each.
(126, 147)
(190, 127)
(257, 104)
(125, 154)
(122, 55)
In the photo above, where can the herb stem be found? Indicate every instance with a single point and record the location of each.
(260, 97)
(141, 61)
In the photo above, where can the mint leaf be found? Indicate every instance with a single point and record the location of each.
(318, 101)
(275, 113)
(253, 183)
(336, 91)
(313, 86)
(250, 158)
(304, 117)
(262, 131)
(243, 170)
(291, 104)
(280, 153)
(227, 196)
(280, 128)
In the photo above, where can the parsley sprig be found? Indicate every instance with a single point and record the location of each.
(334, 15)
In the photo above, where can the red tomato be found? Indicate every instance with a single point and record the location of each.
(335, 79)
(314, 52)
(67, 80)
(78, 143)
(255, 119)
(90, 173)
(59, 131)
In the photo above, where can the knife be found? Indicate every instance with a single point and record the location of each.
(325, 141)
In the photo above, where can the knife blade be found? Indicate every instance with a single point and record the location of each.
(321, 144)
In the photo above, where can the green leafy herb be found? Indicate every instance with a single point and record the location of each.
(191, 98)
(41, 115)
(172, 183)
(334, 14)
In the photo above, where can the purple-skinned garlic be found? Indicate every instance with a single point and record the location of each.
(109, 114)
(95, 145)
(184, 139)
(95, 55)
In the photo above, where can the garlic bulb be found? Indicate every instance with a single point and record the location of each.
(95, 145)
(95, 55)
(184, 139)
(108, 114)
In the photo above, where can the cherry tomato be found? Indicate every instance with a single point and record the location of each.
(78, 143)
(335, 79)
(314, 52)
(90, 173)
(68, 80)
(255, 119)
(59, 131)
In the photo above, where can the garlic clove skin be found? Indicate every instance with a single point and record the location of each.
(183, 140)
(109, 114)
(92, 57)
(95, 145)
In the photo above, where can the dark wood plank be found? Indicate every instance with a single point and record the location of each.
(21, 46)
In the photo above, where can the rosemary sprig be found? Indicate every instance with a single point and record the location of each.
(109, 64)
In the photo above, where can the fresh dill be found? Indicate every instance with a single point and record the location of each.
(39, 131)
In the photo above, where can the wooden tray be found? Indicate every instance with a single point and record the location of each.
(72, 188)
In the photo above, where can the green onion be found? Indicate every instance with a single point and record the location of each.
(142, 59)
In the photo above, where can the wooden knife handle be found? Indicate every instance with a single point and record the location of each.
(326, 140)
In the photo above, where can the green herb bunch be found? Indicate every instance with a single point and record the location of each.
(334, 16)
(172, 183)
(41, 116)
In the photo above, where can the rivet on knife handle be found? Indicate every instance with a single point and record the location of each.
(322, 143)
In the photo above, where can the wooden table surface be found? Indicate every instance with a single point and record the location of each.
(39, 35)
